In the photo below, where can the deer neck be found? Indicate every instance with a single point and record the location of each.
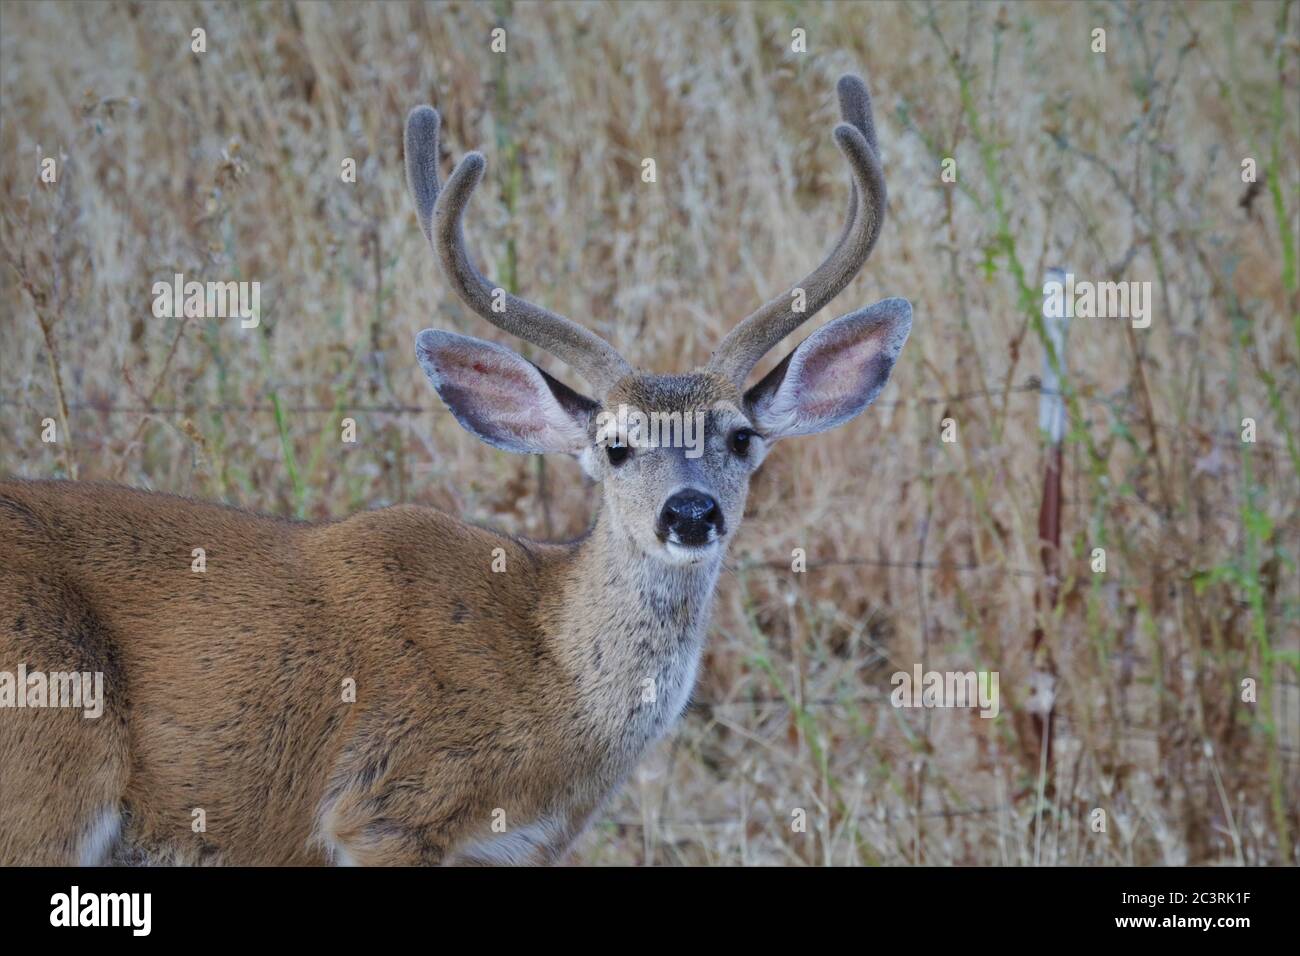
(630, 633)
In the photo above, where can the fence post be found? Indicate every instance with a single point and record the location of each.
(1052, 421)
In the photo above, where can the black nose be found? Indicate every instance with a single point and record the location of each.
(688, 517)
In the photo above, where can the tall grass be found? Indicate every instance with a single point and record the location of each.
(1124, 165)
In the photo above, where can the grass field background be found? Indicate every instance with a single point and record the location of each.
(1122, 165)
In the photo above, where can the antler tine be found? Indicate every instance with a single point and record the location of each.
(440, 211)
(738, 353)
(422, 163)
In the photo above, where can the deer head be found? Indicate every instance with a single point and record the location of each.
(679, 499)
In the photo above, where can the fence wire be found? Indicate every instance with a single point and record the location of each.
(368, 407)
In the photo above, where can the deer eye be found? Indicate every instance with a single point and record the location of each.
(617, 454)
(740, 441)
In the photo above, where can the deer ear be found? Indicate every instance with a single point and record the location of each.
(833, 374)
(502, 398)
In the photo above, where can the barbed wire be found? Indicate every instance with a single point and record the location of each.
(1062, 734)
(1110, 581)
(1032, 387)
(885, 563)
(704, 706)
(1223, 437)
(768, 819)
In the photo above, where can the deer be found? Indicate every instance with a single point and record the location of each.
(494, 688)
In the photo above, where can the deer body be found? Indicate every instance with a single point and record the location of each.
(401, 687)
(521, 693)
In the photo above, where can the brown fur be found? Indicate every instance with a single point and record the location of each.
(475, 691)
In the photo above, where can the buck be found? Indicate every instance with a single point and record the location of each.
(502, 688)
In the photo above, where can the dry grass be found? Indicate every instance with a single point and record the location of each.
(1127, 165)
